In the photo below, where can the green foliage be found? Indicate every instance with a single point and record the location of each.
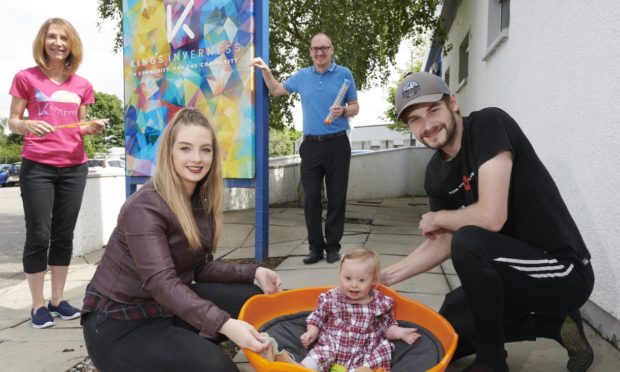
(282, 141)
(366, 37)
(390, 114)
(106, 106)
(10, 146)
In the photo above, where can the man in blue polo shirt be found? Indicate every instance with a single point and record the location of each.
(325, 151)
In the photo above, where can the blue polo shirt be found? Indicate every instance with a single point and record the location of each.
(318, 92)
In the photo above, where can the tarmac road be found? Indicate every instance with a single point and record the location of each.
(12, 235)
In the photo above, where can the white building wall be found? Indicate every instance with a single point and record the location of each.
(557, 74)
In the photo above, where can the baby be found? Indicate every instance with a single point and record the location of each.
(354, 321)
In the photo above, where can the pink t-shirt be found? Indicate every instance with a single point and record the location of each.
(56, 104)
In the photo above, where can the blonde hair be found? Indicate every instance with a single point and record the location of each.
(363, 253)
(74, 59)
(209, 192)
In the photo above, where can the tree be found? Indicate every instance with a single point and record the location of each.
(390, 114)
(10, 146)
(106, 106)
(366, 36)
(282, 141)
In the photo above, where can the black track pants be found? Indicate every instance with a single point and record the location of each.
(510, 291)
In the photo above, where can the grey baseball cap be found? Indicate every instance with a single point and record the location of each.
(420, 87)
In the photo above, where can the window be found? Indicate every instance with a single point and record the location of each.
(498, 25)
(446, 76)
(504, 12)
(464, 59)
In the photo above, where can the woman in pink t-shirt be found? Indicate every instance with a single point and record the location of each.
(54, 164)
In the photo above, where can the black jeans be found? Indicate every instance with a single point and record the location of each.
(328, 159)
(52, 197)
(164, 344)
(510, 291)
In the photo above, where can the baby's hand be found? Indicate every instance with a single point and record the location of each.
(409, 335)
(307, 339)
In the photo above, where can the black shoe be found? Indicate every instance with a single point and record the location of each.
(332, 257)
(313, 258)
(580, 353)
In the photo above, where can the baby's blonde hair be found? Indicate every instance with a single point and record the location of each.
(363, 253)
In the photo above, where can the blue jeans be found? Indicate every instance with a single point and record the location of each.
(52, 197)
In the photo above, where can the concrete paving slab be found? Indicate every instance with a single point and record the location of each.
(388, 259)
(393, 239)
(356, 228)
(280, 234)
(428, 283)
(54, 349)
(396, 230)
(302, 249)
(453, 281)
(234, 235)
(433, 301)
(390, 249)
(544, 355)
(359, 215)
(308, 278)
(296, 263)
(275, 250)
(354, 238)
(448, 267)
(222, 251)
(287, 219)
(404, 223)
(396, 202)
(243, 216)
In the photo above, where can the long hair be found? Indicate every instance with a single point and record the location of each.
(74, 59)
(209, 193)
(363, 253)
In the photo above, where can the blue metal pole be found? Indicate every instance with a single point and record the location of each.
(261, 250)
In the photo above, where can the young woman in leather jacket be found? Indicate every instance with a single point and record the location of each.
(158, 301)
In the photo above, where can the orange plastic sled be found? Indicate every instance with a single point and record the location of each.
(260, 309)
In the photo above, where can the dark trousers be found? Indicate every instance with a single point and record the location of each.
(164, 344)
(327, 159)
(52, 197)
(510, 291)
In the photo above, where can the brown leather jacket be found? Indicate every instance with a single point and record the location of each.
(147, 260)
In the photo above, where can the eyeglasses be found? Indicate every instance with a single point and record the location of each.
(323, 49)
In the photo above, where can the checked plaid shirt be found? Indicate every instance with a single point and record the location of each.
(352, 335)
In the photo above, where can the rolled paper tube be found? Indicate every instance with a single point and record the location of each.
(74, 125)
(337, 100)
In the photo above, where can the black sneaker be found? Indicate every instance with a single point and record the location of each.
(580, 353)
(63, 310)
(42, 318)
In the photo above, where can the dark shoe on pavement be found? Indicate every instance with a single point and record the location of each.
(313, 258)
(63, 310)
(42, 318)
(580, 353)
(332, 257)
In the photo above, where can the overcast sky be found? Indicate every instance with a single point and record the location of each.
(20, 21)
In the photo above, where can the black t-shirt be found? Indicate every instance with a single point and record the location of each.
(537, 214)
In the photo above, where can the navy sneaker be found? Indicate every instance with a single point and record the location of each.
(63, 310)
(42, 318)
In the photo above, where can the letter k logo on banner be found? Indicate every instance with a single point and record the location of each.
(172, 31)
